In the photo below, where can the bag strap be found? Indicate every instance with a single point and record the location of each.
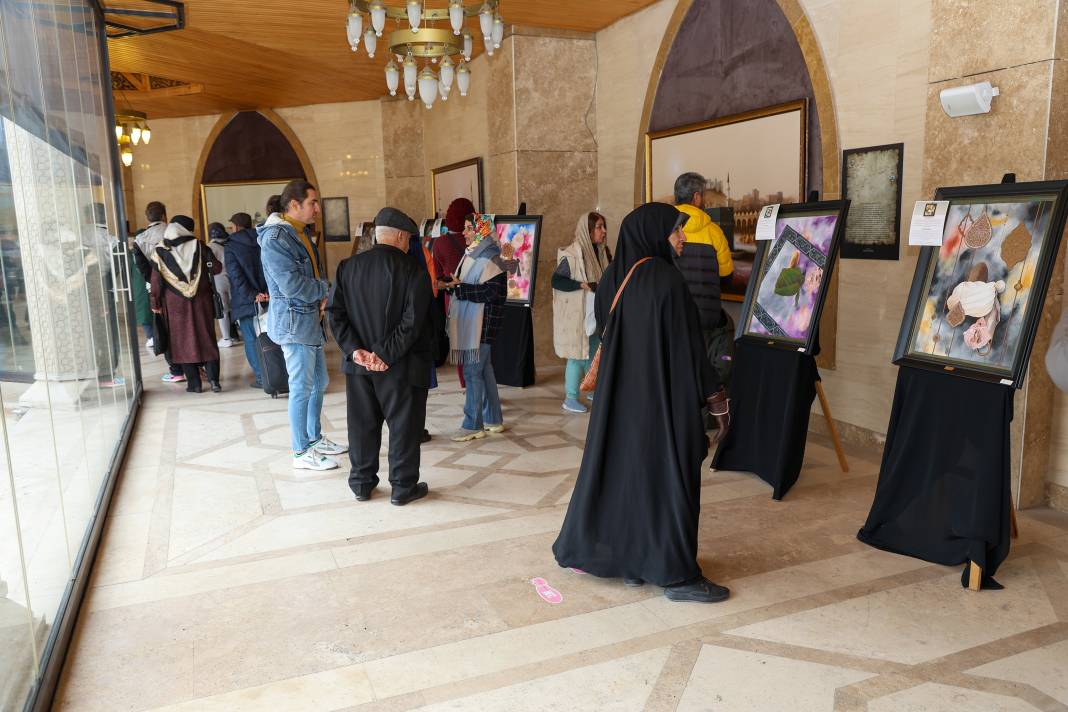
(619, 292)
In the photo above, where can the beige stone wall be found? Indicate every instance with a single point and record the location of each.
(164, 169)
(343, 143)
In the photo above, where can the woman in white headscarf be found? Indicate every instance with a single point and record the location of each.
(579, 267)
(182, 292)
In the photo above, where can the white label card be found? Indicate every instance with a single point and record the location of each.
(928, 223)
(765, 229)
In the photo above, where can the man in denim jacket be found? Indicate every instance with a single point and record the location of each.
(295, 320)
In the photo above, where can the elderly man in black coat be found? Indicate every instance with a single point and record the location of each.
(379, 313)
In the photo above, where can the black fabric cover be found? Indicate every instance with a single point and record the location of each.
(943, 493)
(771, 399)
(637, 501)
(513, 350)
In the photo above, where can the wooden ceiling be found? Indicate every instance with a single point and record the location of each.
(271, 53)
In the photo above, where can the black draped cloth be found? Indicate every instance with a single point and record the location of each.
(513, 351)
(771, 399)
(636, 504)
(943, 493)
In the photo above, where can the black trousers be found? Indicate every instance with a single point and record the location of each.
(373, 400)
(192, 374)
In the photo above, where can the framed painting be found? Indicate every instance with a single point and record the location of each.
(519, 236)
(871, 182)
(457, 180)
(975, 302)
(219, 201)
(336, 219)
(789, 288)
(749, 160)
(364, 237)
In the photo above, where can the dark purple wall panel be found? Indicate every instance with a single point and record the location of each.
(251, 148)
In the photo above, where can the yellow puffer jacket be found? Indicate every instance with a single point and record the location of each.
(700, 229)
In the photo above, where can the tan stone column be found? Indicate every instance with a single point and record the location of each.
(1014, 46)
(543, 147)
(402, 156)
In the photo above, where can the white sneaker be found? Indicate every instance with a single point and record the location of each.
(463, 436)
(225, 343)
(312, 460)
(326, 446)
(150, 344)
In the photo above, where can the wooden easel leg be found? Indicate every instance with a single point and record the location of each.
(1015, 530)
(975, 576)
(832, 427)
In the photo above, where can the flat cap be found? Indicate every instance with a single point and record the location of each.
(391, 217)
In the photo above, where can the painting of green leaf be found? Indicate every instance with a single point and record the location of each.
(789, 283)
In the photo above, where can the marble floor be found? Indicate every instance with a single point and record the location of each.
(227, 581)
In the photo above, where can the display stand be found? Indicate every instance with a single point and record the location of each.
(513, 351)
(772, 391)
(943, 494)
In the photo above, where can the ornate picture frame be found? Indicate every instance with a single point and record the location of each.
(975, 302)
(463, 179)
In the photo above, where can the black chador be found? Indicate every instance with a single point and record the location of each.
(379, 314)
(634, 512)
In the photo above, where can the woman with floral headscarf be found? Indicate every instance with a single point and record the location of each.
(479, 289)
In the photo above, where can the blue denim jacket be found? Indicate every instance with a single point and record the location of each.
(293, 316)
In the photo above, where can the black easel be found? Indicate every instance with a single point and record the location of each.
(944, 491)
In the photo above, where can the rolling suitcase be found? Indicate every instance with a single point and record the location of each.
(272, 363)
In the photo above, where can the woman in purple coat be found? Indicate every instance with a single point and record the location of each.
(182, 293)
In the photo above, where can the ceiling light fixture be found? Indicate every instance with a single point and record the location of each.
(131, 129)
(435, 34)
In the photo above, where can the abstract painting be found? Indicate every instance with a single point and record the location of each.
(519, 237)
(786, 297)
(975, 300)
(336, 219)
(748, 160)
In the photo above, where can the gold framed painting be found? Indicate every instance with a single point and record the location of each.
(749, 160)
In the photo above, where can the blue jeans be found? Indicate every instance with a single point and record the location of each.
(482, 406)
(576, 370)
(248, 338)
(307, 386)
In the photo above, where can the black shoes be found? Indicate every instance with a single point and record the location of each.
(426, 436)
(633, 582)
(216, 387)
(700, 590)
(418, 492)
(364, 495)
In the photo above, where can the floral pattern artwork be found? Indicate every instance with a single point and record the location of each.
(979, 283)
(519, 250)
(790, 286)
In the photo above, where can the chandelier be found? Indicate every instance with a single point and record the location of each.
(421, 39)
(131, 128)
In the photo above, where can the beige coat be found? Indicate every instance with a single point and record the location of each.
(569, 310)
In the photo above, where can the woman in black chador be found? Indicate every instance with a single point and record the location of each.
(637, 501)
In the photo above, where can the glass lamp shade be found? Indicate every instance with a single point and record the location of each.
(485, 20)
(378, 17)
(127, 157)
(118, 131)
(392, 77)
(146, 134)
(469, 44)
(463, 78)
(415, 14)
(354, 29)
(498, 31)
(428, 87)
(135, 135)
(456, 16)
(411, 77)
(448, 72)
(370, 42)
(488, 41)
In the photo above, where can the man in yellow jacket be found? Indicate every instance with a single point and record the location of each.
(706, 264)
